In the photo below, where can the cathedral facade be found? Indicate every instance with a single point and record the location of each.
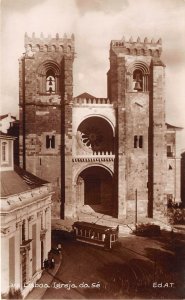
(99, 153)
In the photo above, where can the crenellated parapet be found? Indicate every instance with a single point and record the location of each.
(146, 47)
(91, 101)
(63, 44)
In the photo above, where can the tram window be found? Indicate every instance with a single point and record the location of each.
(88, 233)
(92, 235)
(96, 235)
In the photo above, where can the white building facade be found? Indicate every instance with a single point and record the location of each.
(25, 224)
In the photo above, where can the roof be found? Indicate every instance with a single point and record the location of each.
(169, 126)
(5, 116)
(18, 181)
(4, 135)
(97, 227)
(86, 96)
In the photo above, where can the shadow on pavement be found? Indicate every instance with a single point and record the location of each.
(159, 274)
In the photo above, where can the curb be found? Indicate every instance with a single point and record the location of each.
(37, 293)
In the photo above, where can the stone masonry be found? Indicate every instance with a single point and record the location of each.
(97, 152)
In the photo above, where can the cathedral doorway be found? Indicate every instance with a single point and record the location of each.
(95, 190)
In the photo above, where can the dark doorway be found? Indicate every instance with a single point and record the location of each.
(24, 268)
(42, 254)
(92, 190)
(95, 189)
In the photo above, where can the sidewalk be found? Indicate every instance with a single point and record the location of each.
(46, 279)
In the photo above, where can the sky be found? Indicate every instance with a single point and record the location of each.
(95, 23)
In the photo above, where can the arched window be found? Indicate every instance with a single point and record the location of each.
(37, 48)
(50, 82)
(137, 80)
(23, 231)
(4, 152)
(137, 77)
(68, 48)
(61, 48)
(45, 48)
(50, 142)
(49, 74)
(134, 51)
(156, 53)
(127, 51)
(142, 52)
(53, 47)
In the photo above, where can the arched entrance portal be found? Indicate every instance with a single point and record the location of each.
(95, 189)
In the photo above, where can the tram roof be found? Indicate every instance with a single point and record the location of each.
(100, 228)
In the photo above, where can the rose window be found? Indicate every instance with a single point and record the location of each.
(95, 136)
(92, 138)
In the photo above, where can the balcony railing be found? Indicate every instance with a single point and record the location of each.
(25, 245)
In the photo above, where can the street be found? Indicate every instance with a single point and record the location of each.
(137, 267)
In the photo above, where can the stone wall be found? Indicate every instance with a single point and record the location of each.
(137, 120)
(139, 113)
(45, 114)
(131, 114)
(159, 143)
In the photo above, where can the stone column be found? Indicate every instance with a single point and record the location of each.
(4, 262)
(47, 242)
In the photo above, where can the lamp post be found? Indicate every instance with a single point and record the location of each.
(136, 208)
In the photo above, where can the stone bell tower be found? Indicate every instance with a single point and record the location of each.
(45, 93)
(136, 88)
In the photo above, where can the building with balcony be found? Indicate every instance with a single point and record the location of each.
(97, 152)
(6, 122)
(25, 223)
(173, 186)
(10, 125)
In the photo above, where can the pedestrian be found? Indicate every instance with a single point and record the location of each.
(49, 263)
(59, 248)
(52, 263)
(45, 263)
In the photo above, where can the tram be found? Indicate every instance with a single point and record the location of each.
(95, 234)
